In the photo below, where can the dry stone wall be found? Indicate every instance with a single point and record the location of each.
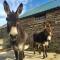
(31, 26)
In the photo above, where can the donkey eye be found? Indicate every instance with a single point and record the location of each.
(6, 18)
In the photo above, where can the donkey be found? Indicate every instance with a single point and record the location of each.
(18, 37)
(43, 38)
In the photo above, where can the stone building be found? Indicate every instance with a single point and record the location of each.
(32, 21)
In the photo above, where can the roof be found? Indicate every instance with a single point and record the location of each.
(42, 8)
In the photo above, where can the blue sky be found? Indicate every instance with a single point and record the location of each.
(27, 5)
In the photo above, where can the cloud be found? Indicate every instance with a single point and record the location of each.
(23, 1)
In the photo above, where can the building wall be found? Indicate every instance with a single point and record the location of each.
(34, 24)
(4, 39)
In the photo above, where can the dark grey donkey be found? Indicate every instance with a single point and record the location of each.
(43, 38)
(18, 37)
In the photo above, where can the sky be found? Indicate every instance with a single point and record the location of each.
(13, 4)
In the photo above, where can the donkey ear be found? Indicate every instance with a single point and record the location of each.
(19, 9)
(6, 7)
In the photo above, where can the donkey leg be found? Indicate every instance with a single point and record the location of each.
(34, 50)
(34, 45)
(46, 50)
(16, 54)
(43, 51)
(39, 49)
(21, 55)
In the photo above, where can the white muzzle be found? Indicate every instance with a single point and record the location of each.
(13, 31)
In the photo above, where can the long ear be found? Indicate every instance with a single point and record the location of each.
(19, 9)
(6, 7)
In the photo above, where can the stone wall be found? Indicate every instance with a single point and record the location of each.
(32, 25)
(4, 39)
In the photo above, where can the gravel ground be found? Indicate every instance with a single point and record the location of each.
(9, 55)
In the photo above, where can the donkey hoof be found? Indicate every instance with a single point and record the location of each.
(43, 57)
(23, 56)
(46, 55)
(39, 52)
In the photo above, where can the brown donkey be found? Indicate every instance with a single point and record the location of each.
(43, 38)
(18, 37)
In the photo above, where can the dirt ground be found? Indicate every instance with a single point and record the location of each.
(9, 55)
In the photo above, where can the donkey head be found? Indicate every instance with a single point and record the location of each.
(12, 18)
(48, 27)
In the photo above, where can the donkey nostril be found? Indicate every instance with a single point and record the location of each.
(14, 36)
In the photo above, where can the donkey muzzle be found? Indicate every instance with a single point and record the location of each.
(13, 31)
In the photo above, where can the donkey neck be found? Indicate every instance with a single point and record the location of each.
(21, 31)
